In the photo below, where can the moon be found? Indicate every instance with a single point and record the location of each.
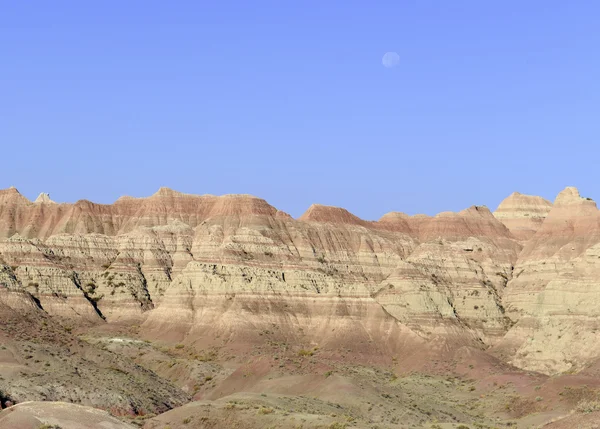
(390, 59)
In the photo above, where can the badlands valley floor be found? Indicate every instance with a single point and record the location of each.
(183, 311)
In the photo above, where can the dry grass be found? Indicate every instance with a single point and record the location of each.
(587, 406)
(518, 406)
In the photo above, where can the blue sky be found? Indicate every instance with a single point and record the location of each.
(290, 101)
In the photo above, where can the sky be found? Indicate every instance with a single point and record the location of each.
(290, 101)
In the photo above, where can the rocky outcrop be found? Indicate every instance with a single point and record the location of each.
(44, 198)
(522, 214)
(456, 275)
(43, 219)
(182, 255)
(552, 295)
(329, 214)
(204, 268)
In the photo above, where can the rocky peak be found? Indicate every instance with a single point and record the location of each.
(330, 214)
(241, 205)
(10, 191)
(518, 205)
(396, 221)
(523, 214)
(477, 211)
(393, 216)
(569, 196)
(569, 204)
(473, 221)
(572, 220)
(166, 192)
(12, 196)
(44, 198)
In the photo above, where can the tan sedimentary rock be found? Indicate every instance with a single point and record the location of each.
(522, 214)
(552, 296)
(136, 254)
(44, 198)
(212, 269)
(41, 220)
(254, 271)
(330, 214)
(457, 275)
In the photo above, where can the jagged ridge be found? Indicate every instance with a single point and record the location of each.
(169, 258)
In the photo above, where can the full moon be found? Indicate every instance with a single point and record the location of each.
(390, 59)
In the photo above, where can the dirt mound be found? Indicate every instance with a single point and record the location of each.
(36, 415)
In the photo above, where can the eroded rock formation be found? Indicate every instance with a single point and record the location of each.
(215, 269)
(522, 214)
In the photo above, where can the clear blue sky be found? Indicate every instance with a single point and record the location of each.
(289, 100)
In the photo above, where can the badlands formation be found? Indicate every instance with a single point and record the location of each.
(147, 303)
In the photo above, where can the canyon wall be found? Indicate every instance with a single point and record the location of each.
(224, 270)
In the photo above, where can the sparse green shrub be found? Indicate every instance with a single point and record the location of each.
(304, 352)
(586, 406)
(207, 356)
(96, 298)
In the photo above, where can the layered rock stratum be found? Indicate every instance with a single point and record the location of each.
(522, 214)
(216, 270)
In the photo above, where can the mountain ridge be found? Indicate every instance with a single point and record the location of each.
(458, 275)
